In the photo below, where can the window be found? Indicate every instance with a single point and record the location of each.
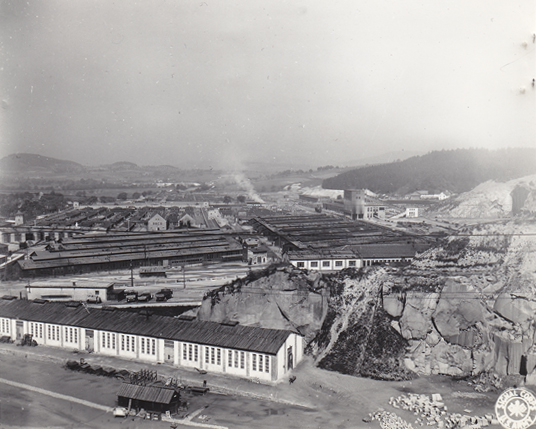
(229, 358)
(58, 332)
(351, 263)
(314, 264)
(254, 362)
(128, 343)
(236, 359)
(242, 360)
(260, 362)
(325, 263)
(338, 263)
(184, 351)
(212, 355)
(70, 335)
(113, 341)
(153, 347)
(103, 339)
(122, 342)
(196, 348)
(40, 330)
(266, 363)
(143, 345)
(190, 351)
(218, 356)
(76, 335)
(301, 264)
(132, 349)
(207, 354)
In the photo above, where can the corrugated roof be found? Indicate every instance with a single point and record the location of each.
(246, 338)
(161, 395)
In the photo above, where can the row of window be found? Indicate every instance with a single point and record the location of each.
(190, 352)
(263, 362)
(327, 264)
(5, 325)
(36, 329)
(108, 340)
(148, 346)
(213, 355)
(127, 343)
(71, 335)
(53, 332)
(239, 358)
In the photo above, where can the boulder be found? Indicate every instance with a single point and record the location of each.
(393, 304)
(416, 322)
(517, 309)
(458, 309)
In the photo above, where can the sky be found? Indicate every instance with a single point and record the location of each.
(224, 84)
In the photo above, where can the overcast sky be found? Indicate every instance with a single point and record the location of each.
(222, 83)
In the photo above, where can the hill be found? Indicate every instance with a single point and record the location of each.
(28, 162)
(455, 170)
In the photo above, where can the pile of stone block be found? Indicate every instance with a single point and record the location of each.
(389, 420)
(431, 411)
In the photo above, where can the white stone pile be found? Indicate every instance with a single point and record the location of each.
(433, 412)
(389, 420)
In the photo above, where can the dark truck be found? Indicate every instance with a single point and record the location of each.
(163, 294)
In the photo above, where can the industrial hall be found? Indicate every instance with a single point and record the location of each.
(228, 348)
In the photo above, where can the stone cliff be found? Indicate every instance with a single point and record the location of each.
(465, 307)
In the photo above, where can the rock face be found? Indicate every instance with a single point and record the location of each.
(277, 298)
(462, 308)
(477, 311)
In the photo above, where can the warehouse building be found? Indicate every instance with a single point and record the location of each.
(80, 290)
(119, 251)
(225, 348)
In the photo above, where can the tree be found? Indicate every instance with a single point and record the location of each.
(241, 199)
(136, 195)
(122, 196)
(227, 199)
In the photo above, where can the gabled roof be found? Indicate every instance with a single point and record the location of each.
(239, 337)
(161, 395)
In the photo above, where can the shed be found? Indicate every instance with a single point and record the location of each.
(151, 398)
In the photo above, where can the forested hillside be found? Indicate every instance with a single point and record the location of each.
(455, 170)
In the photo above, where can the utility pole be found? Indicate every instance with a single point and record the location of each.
(131, 275)
(184, 276)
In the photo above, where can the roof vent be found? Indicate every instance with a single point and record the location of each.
(186, 317)
(230, 322)
(72, 304)
(40, 301)
(9, 297)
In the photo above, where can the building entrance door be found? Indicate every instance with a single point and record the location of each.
(290, 358)
(20, 329)
(90, 343)
(169, 351)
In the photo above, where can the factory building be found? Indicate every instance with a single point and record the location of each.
(118, 251)
(225, 348)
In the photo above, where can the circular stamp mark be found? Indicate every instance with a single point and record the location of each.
(516, 408)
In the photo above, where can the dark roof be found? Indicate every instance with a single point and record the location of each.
(321, 254)
(161, 395)
(394, 250)
(240, 337)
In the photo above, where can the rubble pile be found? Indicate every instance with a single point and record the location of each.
(389, 420)
(433, 412)
(487, 382)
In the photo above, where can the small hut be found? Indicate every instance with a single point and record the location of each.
(150, 398)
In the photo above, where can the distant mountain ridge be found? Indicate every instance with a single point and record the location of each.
(458, 170)
(20, 162)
